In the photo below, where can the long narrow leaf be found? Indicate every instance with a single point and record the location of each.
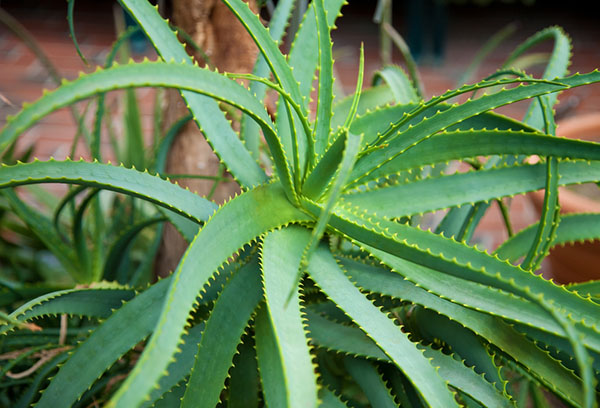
(465, 188)
(213, 245)
(222, 334)
(249, 131)
(503, 336)
(119, 179)
(133, 322)
(281, 253)
(395, 344)
(207, 114)
(441, 120)
(325, 97)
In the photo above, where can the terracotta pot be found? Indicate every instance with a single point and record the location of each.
(578, 262)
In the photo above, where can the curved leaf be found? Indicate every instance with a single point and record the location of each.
(181, 76)
(119, 179)
(462, 292)
(440, 120)
(280, 256)
(465, 188)
(178, 369)
(329, 399)
(244, 383)
(42, 227)
(399, 84)
(461, 144)
(207, 114)
(70, 7)
(549, 371)
(94, 302)
(122, 244)
(572, 228)
(352, 146)
(303, 59)
(466, 380)
(325, 87)
(281, 71)
(249, 131)
(174, 75)
(224, 328)
(557, 67)
(395, 344)
(379, 235)
(133, 322)
(341, 338)
(215, 243)
(369, 379)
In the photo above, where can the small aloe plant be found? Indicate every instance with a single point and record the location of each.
(314, 287)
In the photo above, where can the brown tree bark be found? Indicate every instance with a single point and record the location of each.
(229, 48)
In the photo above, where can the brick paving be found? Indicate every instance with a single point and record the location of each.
(22, 77)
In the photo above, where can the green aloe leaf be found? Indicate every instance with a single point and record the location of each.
(572, 228)
(42, 227)
(348, 159)
(425, 248)
(179, 369)
(395, 344)
(213, 245)
(122, 244)
(325, 67)
(181, 76)
(462, 342)
(399, 84)
(377, 120)
(341, 338)
(320, 177)
(27, 398)
(100, 105)
(98, 302)
(70, 8)
(440, 120)
(224, 328)
(369, 379)
(244, 383)
(269, 360)
(303, 59)
(467, 381)
(330, 400)
(133, 321)
(557, 66)
(119, 179)
(174, 75)
(371, 99)
(267, 46)
(461, 144)
(540, 115)
(549, 219)
(207, 114)
(282, 73)
(546, 369)
(90, 272)
(437, 193)
(249, 131)
(462, 292)
(589, 288)
(297, 382)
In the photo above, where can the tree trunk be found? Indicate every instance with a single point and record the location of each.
(229, 48)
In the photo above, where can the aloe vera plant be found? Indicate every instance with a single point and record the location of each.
(315, 286)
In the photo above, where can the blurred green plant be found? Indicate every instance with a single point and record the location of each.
(314, 286)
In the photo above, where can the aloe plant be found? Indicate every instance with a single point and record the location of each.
(316, 286)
